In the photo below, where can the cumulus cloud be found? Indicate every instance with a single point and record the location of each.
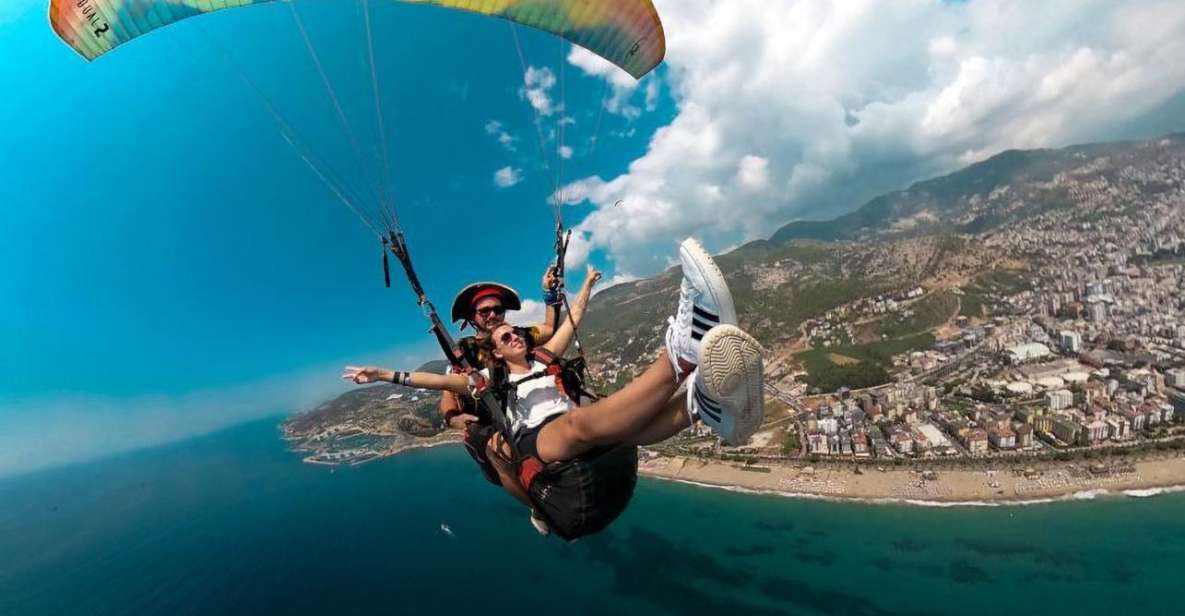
(807, 108)
(624, 86)
(753, 174)
(653, 89)
(537, 85)
(532, 312)
(496, 129)
(592, 64)
(507, 177)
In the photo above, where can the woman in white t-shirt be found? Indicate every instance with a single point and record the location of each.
(577, 465)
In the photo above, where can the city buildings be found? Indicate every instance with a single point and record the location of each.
(1175, 378)
(1028, 352)
(1059, 399)
(1070, 342)
(991, 382)
(1178, 399)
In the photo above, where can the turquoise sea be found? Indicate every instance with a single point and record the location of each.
(233, 524)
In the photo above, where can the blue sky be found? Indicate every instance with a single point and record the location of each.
(162, 245)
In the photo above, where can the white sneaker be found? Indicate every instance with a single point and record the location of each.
(541, 527)
(704, 303)
(700, 407)
(727, 391)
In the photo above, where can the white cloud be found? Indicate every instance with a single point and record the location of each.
(619, 104)
(578, 251)
(532, 313)
(753, 174)
(653, 89)
(592, 64)
(537, 85)
(507, 177)
(806, 108)
(623, 85)
(499, 132)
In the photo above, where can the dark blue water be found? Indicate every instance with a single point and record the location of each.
(231, 523)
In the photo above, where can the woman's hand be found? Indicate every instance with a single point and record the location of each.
(368, 374)
(592, 277)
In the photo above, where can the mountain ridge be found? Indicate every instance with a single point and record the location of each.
(999, 169)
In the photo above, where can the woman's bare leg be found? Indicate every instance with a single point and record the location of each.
(672, 420)
(505, 469)
(612, 419)
(704, 304)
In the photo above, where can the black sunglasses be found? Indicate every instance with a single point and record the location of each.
(506, 337)
(488, 310)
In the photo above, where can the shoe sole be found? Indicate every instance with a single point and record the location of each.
(710, 273)
(733, 372)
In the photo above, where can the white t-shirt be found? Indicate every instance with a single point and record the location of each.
(537, 399)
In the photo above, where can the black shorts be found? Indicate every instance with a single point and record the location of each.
(477, 436)
(582, 496)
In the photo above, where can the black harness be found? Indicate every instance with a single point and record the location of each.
(483, 396)
(568, 373)
(493, 398)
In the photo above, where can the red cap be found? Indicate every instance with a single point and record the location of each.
(484, 293)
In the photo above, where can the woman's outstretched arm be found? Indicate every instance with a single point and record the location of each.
(559, 343)
(456, 383)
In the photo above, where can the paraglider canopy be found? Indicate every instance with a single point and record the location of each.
(627, 33)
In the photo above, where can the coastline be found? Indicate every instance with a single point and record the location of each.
(415, 443)
(945, 488)
(423, 444)
(1052, 482)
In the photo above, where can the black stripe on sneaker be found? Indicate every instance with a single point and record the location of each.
(700, 312)
(700, 325)
(707, 402)
(709, 414)
(696, 336)
(707, 406)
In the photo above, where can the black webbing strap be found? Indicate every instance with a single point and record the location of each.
(562, 238)
(386, 266)
(561, 253)
(452, 350)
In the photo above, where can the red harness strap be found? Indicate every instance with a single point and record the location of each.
(531, 466)
(528, 470)
(554, 369)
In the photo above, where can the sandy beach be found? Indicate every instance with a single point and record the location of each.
(1002, 484)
